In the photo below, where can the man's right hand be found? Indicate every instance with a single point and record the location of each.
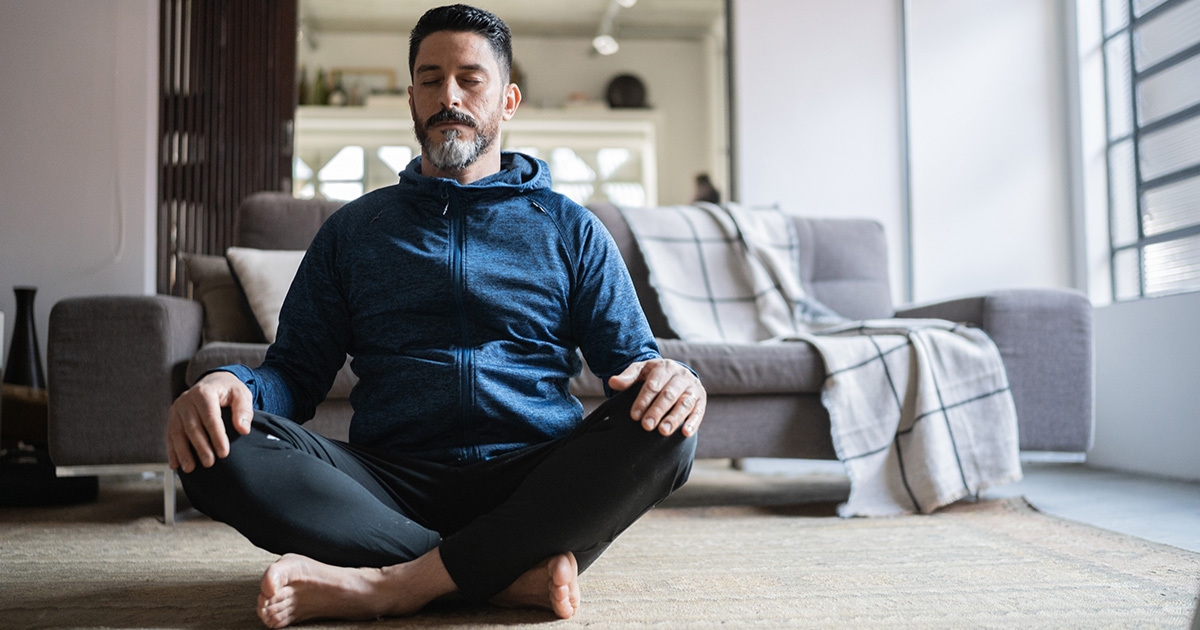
(194, 424)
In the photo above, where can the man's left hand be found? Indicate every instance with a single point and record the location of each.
(671, 396)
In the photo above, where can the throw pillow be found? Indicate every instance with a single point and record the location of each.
(227, 316)
(265, 276)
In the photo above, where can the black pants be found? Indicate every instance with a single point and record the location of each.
(290, 490)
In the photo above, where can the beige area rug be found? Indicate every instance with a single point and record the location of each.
(763, 561)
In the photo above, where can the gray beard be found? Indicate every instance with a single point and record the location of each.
(454, 154)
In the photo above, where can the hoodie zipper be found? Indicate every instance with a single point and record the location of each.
(465, 356)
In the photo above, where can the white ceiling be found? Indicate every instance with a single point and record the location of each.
(648, 19)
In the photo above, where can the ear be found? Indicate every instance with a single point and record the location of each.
(512, 98)
(411, 106)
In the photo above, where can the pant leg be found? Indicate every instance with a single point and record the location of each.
(289, 490)
(588, 489)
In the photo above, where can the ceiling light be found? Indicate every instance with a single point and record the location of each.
(605, 44)
(627, 3)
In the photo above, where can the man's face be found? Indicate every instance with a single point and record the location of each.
(458, 99)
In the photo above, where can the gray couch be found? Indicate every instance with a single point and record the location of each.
(117, 362)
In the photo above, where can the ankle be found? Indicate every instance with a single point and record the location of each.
(411, 585)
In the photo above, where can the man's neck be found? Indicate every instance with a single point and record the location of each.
(487, 164)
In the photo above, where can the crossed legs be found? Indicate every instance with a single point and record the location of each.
(366, 535)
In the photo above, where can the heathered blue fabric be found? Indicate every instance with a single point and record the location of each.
(462, 307)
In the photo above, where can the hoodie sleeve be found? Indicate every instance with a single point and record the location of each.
(606, 317)
(312, 340)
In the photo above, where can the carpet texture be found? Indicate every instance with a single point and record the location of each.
(694, 562)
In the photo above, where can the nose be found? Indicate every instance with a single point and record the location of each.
(451, 97)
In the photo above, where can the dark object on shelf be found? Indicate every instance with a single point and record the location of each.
(24, 365)
(27, 479)
(626, 90)
(302, 87)
(320, 90)
(337, 95)
(705, 191)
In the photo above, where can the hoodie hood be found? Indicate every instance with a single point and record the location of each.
(519, 173)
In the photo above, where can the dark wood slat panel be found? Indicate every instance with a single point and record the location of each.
(204, 77)
(226, 105)
(162, 262)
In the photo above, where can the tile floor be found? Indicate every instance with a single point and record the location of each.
(1160, 510)
(1152, 508)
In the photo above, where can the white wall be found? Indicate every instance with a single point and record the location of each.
(818, 131)
(1147, 399)
(817, 106)
(676, 74)
(990, 204)
(77, 150)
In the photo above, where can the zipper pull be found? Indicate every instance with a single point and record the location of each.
(446, 209)
(446, 198)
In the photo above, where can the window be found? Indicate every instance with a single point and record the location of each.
(348, 170)
(1152, 77)
(341, 153)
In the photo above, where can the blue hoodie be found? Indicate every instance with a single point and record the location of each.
(462, 308)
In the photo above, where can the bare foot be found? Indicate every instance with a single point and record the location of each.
(553, 584)
(296, 588)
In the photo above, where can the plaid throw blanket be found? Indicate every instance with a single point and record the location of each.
(726, 273)
(920, 410)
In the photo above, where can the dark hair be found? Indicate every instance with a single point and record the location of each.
(468, 19)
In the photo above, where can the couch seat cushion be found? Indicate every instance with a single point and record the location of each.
(220, 353)
(736, 369)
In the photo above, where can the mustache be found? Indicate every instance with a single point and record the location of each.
(451, 115)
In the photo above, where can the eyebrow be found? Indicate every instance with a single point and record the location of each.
(473, 67)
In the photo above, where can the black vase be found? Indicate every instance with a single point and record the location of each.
(24, 365)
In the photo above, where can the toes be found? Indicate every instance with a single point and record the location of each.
(275, 602)
(282, 595)
(276, 615)
(564, 585)
(560, 601)
(563, 569)
(576, 596)
(275, 577)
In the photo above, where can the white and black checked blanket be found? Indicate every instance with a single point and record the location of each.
(920, 410)
(726, 273)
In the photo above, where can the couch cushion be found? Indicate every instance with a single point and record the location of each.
(736, 369)
(220, 354)
(277, 220)
(843, 264)
(227, 316)
(264, 277)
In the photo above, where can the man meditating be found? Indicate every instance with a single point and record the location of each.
(462, 294)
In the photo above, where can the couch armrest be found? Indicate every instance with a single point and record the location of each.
(116, 363)
(1045, 339)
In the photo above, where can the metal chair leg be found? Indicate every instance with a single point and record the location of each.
(169, 497)
(168, 477)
